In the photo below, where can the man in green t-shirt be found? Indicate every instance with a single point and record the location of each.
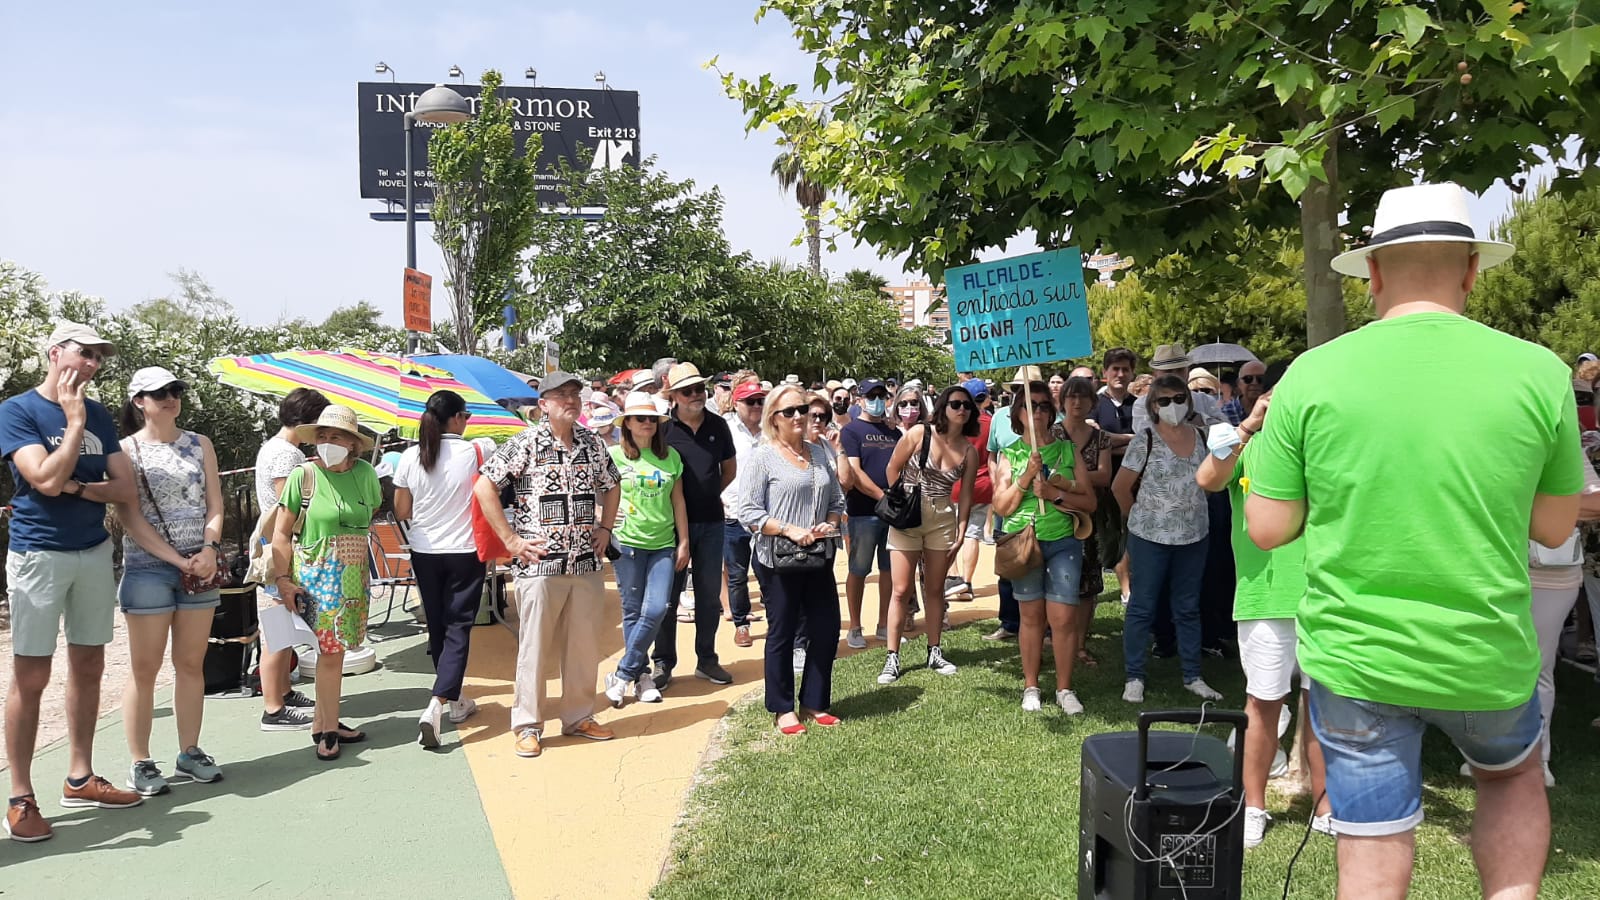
(1417, 606)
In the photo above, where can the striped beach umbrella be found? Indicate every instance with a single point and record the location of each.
(386, 392)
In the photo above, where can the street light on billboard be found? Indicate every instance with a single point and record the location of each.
(439, 105)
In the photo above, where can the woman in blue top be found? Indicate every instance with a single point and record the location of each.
(1042, 485)
(653, 539)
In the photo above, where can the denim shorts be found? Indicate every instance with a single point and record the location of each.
(159, 589)
(1374, 754)
(869, 538)
(1056, 580)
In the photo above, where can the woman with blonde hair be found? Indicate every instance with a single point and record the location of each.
(790, 499)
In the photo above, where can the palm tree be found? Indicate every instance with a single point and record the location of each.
(790, 171)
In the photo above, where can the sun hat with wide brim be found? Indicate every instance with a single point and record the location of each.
(1025, 373)
(648, 406)
(684, 375)
(1422, 214)
(1170, 356)
(335, 416)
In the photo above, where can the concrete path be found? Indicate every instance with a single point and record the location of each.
(390, 819)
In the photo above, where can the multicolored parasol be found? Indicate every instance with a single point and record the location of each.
(386, 392)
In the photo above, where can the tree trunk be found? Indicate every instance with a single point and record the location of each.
(814, 238)
(1319, 231)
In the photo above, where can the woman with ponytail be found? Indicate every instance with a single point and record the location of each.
(433, 491)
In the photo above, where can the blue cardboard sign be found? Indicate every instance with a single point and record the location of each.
(1012, 312)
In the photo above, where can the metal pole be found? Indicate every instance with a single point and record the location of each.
(411, 225)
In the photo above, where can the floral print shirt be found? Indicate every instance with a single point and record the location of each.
(557, 495)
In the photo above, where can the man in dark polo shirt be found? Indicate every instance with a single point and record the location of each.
(868, 443)
(705, 444)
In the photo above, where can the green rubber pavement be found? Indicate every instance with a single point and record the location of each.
(388, 819)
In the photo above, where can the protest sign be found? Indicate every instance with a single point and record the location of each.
(1011, 312)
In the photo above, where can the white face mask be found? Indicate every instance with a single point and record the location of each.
(336, 454)
(1174, 413)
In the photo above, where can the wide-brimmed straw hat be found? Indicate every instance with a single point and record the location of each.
(335, 416)
(1025, 373)
(1170, 356)
(1082, 522)
(638, 403)
(1422, 214)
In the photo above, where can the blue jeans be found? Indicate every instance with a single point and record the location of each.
(1173, 571)
(736, 559)
(705, 562)
(644, 581)
(1056, 580)
(1374, 754)
(869, 539)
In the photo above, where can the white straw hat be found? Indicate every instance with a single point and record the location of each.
(638, 403)
(1422, 213)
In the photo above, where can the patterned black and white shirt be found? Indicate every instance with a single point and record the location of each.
(558, 494)
(1170, 507)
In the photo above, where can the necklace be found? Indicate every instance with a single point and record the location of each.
(803, 461)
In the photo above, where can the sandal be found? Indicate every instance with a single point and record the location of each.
(327, 745)
(1085, 658)
(348, 735)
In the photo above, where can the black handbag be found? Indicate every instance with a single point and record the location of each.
(901, 505)
(787, 556)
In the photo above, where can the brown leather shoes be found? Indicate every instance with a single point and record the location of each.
(741, 636)
(24, 822)
(528, 745)
(590, 729)
(98, 792)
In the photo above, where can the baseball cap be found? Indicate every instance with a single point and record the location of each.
(748, 391)
(78, 333)
(976, 387)
(151, 378)
(872, 384)
(849, 384)
(557, 380)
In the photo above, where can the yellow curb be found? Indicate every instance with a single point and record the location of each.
(586, 813)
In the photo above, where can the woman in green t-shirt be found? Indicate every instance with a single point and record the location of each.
(653, 540)
(324, 569)
(1033, 485)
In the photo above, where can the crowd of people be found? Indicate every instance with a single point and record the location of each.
(1406, 573)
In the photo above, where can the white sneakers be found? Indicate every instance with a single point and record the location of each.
(855, 640)
(461, 709)
(1030, 699)
(1255, 826)
(1068, 701)
(616, 689)
(648, 692)
(1199, 688)
(1133, 691)
(428, 725)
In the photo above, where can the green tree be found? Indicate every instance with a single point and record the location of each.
(1159, 126)
(1538, 294)
(485, 204)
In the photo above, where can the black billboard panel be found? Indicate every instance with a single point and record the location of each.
(606, 122)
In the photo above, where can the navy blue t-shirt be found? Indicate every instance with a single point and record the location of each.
(872, 443)
(61, 522)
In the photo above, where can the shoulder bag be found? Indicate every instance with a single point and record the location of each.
(901, 505)
(191, 583)
(260, 571)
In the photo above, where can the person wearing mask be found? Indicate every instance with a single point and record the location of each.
(745, 426)
(1201, 381)
(937, 456)
(869, 441)
(324, 570)
(1033, 486)
(1252, 378)
(1002, 435)
(433, 492)
(171, 553)
(564, 514)
(790, 499)
(839, 404)
(1076, 402)
(67, 465)
(1167, 532)
(1403, 626)
(705, 445)
(959, 587)
(653, 540)
(283, 709)
(1270, 587)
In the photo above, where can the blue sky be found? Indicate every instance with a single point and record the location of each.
(140, 138)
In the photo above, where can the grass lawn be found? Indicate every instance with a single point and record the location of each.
(943, 787)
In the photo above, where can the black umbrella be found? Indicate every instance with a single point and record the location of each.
(1221, 355)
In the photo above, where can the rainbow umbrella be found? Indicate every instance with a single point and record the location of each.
(386, 392)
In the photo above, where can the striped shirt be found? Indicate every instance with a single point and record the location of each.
(772, 487)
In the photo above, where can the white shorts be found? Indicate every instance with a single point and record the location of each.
(978, 518)
(1267, 655)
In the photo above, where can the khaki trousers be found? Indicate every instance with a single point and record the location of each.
(561, 620)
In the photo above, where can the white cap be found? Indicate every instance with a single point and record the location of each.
(153, 378)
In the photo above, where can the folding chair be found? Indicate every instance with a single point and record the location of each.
(390, 551)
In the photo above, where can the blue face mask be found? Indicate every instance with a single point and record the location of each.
(876, 406)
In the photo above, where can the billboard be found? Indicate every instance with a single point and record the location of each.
(605, 122)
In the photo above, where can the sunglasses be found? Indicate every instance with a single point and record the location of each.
(1251, 379)
(757, 401)
(162, 395)
(1204, 391)
(791, 411)
(821, 416)
(959, 404)
(90, 353)
(693, 390)
(910, 404)
(1175, 398)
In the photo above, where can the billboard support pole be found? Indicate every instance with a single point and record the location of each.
(411, 225)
